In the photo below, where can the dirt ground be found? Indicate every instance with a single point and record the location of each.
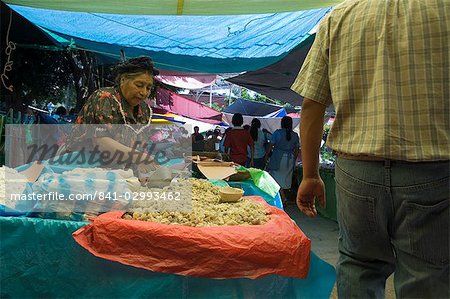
(324, 237)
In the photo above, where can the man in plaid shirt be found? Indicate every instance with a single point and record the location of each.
(384, 65)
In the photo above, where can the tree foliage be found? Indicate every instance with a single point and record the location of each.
(38, 77)
(262, 98)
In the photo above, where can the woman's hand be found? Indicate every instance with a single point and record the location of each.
(143, 170)
(309, 190)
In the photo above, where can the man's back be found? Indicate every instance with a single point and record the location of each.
(388, 70)
(385, 66)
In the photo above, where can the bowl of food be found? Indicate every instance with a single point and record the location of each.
(230, 194)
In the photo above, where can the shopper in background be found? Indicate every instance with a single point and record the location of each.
(198, 143)
(284, 147)
(222, 142)
(384, 65)
(237, 140)
(259, 140)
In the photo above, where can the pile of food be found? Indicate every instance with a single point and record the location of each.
(207, 209)
(11, 183)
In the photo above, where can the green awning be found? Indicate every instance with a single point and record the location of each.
(177, 7)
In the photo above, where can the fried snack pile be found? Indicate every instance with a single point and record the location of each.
(207, 210)
(11, 182)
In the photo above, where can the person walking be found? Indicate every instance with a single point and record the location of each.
(384, 65)
(259, 140)
(237, 140)
(283, 147)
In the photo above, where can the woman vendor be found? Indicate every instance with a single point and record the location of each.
(123, 104)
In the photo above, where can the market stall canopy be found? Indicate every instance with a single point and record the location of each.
(20, 30)
(186, 80)
(252, 108)
(208, 44)
(178, 7)
(271, 124)
(268, 114)
(275, 80)
(182, 106)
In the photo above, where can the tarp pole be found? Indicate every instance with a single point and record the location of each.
(210, 96)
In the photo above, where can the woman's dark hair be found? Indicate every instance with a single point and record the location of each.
(286, 123)
(141, 64)
(237, 120)
(256, 124)
(61, 111)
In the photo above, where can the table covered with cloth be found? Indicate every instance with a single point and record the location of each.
(39, 258)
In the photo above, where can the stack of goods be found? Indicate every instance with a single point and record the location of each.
(86, 191)
(207, 208)
(11, 183)
(247, 238)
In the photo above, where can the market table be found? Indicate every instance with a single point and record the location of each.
(39, 258)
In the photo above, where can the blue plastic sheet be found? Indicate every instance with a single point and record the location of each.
(211, 44)
(250, 189)
(39, 258)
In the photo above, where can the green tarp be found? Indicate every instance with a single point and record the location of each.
(178, 7)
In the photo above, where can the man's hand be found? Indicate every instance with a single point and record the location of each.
(309, 189)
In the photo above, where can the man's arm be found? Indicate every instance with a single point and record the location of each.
(311, 129)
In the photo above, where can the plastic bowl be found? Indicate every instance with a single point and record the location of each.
(230, 194)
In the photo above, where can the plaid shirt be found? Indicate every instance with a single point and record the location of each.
(385, 67)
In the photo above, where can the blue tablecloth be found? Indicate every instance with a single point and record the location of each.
(250, 189)
(39, 258)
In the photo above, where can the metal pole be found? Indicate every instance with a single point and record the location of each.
(210, 96)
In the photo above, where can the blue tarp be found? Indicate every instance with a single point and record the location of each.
(40, 259)
(211, 44)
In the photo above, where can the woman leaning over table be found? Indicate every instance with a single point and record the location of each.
(122, 104)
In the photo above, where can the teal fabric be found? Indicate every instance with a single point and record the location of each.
(39, 258)
(176, 7)
(220, 183)
(251, 189)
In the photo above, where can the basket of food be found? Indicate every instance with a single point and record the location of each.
(230, 194)
(248, 238)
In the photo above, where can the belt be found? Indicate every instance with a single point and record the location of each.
(360, 157)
